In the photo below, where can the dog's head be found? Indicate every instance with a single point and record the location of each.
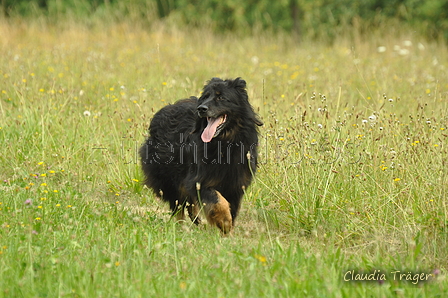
(222, 106)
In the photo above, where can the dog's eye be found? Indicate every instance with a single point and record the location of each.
(220, 97)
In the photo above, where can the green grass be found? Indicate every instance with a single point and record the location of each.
(352, 174)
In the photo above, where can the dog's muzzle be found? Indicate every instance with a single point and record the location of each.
(202, 111)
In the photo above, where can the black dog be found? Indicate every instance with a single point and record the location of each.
(202, 153)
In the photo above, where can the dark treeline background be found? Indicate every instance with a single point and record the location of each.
(307, 18)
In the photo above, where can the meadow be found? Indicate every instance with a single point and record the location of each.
(352, 181)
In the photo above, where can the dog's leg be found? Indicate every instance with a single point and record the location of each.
(194, 212)
(218, 213)
(178, 211)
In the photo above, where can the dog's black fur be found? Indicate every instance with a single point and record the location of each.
(193, 161)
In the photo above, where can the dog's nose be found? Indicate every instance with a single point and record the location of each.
(202, 109)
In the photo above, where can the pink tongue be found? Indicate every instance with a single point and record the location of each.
(210, 130)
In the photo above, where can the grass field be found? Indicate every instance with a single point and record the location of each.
(352, 180)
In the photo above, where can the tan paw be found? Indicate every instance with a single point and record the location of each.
(219, 214)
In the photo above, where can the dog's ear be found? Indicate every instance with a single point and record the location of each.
(214, 80)
(239, 83)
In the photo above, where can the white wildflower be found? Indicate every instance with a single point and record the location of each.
(381, 49)
(403, 52)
